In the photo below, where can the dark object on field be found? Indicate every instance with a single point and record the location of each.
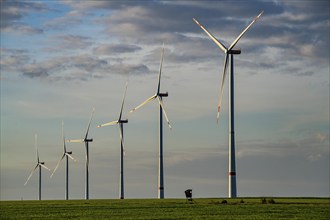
(271, 201)
(188, 193)
(224, 201)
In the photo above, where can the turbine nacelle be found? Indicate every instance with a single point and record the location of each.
(163, 94)
(123, 121)
(234, 51)
(69, 152)
(89, 140)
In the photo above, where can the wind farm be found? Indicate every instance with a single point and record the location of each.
(262, 154)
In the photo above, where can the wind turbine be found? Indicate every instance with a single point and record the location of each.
(67, 155)
(86, 140)
(159, 96)
(230, 50)
(38, 165)
(121, 123)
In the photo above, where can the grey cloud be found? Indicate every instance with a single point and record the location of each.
(13, 58)
(21, 28)
(282, 25)
(35, 72)
(88, 63)
(312, 144)
(67, 21)
(13, 11)
(82, 67)
(319, 8)
(71, 67)
(277, 27)
(186, 52)
(110, 49)
(134, 69)
(103, 4)
(68, 42)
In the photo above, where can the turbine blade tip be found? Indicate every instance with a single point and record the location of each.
(197, 22)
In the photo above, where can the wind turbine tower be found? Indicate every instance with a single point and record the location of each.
(67, 155)
(229, 51)
(121, 123)
(38, 166)
(159, 97)
(86, 140)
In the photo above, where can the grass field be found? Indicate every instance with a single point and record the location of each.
(242, 208)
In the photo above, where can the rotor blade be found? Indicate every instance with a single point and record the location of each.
(75, 141)
(89, 123)
(57, 165)
(107, 124)
(36, 145)
(160, 69)
(31, 174)
(243, 32)
(212, 37)
(44, 167)
(143, 103)
(122, 104)
(162, 105)
(71, 157)
(222, 84)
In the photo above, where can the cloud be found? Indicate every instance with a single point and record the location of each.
(12, 12)
(114, 49)
(79, 67)
(281, 27)
(11, 59)
(21, 28)
(132, 69)
(66, 67)
(311, 147)
(71, 19)
(69, 42)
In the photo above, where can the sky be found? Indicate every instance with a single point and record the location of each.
(59, 59)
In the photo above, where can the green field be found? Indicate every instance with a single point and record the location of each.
(242, 208)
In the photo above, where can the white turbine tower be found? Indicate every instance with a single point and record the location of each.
(38, 165)
(159, 96)
(67, 155)
(86, 140)
(121, 123)
(230, 50)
